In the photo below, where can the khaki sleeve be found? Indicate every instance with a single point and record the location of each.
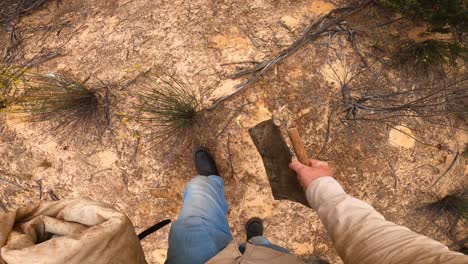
(362, 235)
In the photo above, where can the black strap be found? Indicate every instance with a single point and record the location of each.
(153, 229)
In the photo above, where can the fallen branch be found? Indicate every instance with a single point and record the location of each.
(311, 33)
(43, 58)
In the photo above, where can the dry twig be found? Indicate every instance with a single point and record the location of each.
(3, 206)
(395, 177)
(132, 81)
(52, 195)
(231, 165)
(137, 146)
(457, 155)
(107, 110)
(43, 58)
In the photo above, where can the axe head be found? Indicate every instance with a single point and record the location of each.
(276, 157)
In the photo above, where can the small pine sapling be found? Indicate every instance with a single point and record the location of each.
(444, 16)
(428, 56)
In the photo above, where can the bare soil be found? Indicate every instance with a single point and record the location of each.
(111, 42)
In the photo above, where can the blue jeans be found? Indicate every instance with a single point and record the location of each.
(202, 229)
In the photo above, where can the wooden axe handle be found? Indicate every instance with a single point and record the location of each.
(298, 146)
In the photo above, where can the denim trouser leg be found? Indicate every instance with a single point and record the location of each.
(202, 229)
(262, 241)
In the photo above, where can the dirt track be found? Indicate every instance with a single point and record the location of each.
(113, 42)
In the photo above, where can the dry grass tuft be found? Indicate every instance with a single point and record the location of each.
(170, 107)
(68, 109)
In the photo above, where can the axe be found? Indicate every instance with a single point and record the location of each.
(276, 157)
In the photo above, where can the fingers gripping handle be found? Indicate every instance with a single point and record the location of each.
(298, 146)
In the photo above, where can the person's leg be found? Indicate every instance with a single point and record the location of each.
(262, 241)
(254, 230)
(202, 229)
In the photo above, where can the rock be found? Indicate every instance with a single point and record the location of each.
(277, 121)
(290, 22)
(159, 255)
(253, 98)
(322, 248)
(107, 158)
(401, 136)
(320, 7)
(303, 249)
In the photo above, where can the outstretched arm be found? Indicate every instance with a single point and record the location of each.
(360, 234)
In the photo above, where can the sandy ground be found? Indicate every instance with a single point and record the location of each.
(112, 41)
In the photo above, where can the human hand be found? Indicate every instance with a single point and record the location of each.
(306, 175)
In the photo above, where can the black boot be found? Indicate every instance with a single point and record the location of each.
(204, 163)
(254, 227)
